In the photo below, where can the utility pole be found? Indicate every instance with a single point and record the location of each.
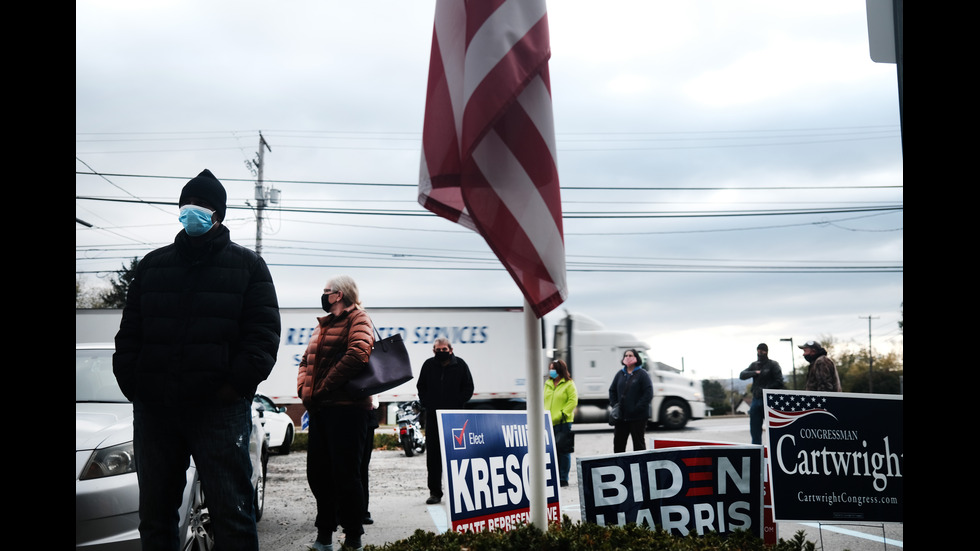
(871, 358)
(262, 195)
(792, 355)
(731, 386)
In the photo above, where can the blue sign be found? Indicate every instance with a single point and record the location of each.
(487, 470)
(691, 490)
(836, 456)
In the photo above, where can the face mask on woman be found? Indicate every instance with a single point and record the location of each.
(553, 374)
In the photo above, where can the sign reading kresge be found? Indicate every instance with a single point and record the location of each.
(486, 469)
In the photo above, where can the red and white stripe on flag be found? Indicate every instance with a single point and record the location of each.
(488, 140)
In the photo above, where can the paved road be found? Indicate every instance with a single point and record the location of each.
(398, 495)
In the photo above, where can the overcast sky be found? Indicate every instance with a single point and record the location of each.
(690, 136)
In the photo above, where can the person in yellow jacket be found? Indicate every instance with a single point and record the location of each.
(561, 398)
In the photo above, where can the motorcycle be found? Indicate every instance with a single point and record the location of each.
(409, 427)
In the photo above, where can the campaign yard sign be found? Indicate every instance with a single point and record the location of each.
(835, 457)
(770, 535)
(680, 490)
(486, 469)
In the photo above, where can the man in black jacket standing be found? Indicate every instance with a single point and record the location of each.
(199, 332)
(444, 382)
(765, 373)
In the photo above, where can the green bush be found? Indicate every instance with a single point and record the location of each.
(301, 442)
(580, 536)
(386, 442)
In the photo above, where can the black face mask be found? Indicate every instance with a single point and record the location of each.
(325, 302)
(810, 357)
(762, 358)
(443, 356)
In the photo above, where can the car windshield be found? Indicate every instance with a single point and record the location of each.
(94, 381)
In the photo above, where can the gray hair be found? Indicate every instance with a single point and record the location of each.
(346, 285)
(443, 340)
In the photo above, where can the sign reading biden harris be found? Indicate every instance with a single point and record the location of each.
(690, 490)
(487, 469)
(835, 456)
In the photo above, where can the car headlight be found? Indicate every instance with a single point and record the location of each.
(110, 462)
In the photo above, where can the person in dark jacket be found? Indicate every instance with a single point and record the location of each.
(444, 382)
(765, 373)
(822, 374)
(631, 392)
(199, 332)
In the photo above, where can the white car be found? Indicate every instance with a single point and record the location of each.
(278, 424)
(106, 489)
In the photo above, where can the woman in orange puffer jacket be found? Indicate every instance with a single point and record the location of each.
(339, 423)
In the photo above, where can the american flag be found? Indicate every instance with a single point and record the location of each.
(784, 409)
(488, 140)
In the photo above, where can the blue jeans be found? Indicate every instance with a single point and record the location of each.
(564, 459)
(217, 436)
(756, 415)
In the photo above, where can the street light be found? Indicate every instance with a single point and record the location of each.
(792, 355)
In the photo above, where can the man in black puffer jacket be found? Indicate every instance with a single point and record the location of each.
(199, 332)
(445, 382)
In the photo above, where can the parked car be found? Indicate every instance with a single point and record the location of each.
(278, 424)
(106, 488)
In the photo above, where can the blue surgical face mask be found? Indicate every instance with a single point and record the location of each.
(196, 220)
(553, 374)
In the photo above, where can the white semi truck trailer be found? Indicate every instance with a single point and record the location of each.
(492, 342)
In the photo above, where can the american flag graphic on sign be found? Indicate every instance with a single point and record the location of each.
(784, 409)
(488, 140)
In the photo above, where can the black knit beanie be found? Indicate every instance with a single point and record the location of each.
(762, 346)
(206, 186)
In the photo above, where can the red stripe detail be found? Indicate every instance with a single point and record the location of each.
(454, 183)
(501, 86)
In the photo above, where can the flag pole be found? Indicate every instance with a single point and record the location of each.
(535, 420)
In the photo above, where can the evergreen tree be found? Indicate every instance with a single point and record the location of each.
(714, 396)
(115, 296)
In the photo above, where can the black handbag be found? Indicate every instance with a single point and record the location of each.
(614, 415)
(387, 367)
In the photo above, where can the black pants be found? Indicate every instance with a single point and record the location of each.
(433, 455)
(366, 460)
(333, 468)
(625, 430)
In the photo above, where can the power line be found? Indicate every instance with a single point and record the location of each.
(564, 188)
(606, 141)
(565, 214)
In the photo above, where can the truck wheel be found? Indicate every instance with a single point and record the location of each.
(674, 414)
